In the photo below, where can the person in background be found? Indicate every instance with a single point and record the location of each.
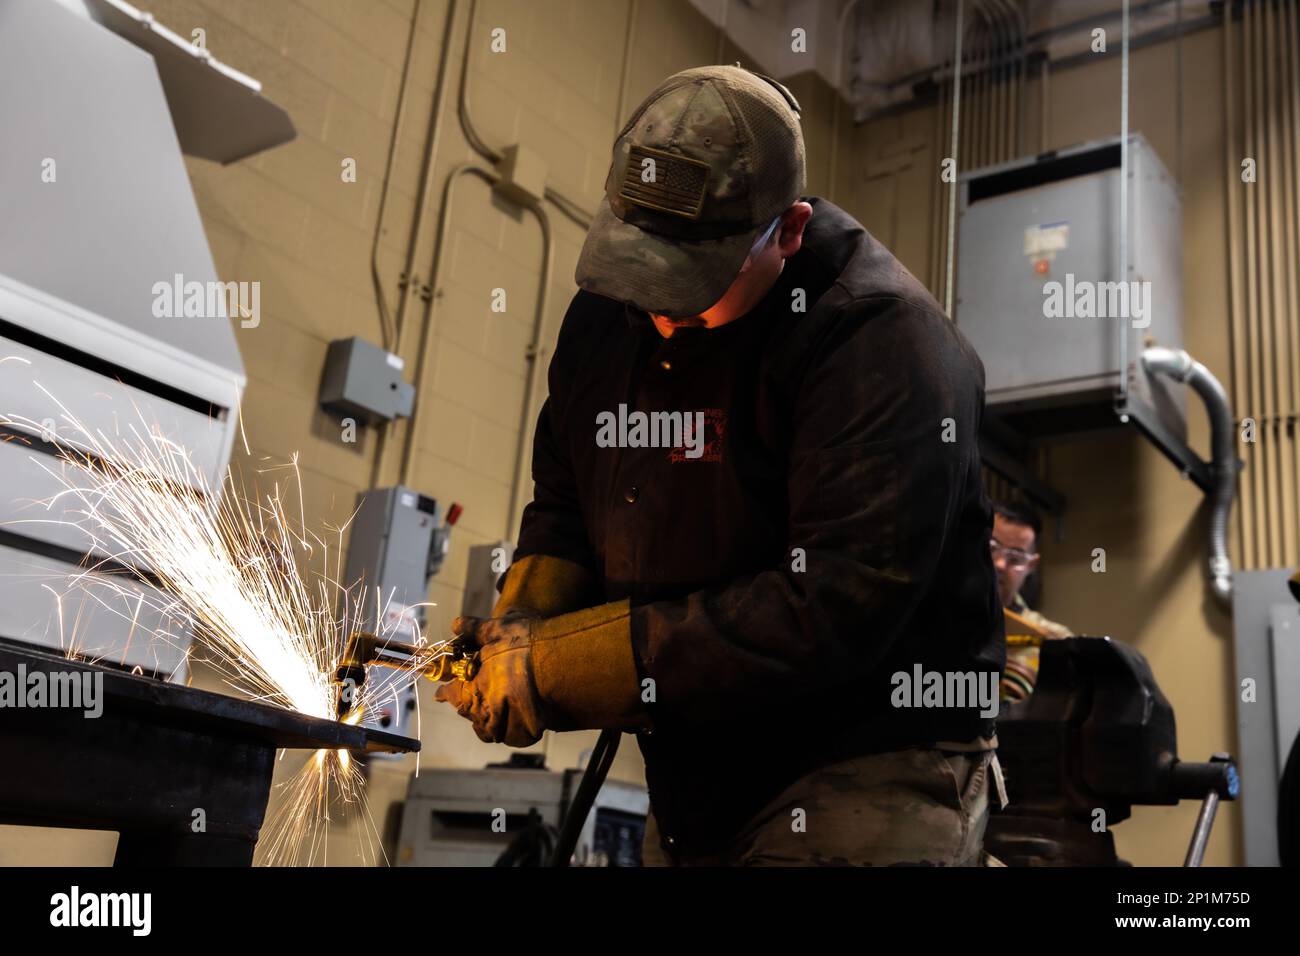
(1014, 545)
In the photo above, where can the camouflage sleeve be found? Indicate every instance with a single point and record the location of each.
(1049, 627)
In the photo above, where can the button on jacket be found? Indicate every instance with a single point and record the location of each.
(827, 531)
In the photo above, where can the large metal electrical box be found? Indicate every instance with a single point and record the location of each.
(399, 541)
(1266, 637)
(1039, 285)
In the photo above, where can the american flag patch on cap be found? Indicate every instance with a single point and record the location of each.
(665, 181)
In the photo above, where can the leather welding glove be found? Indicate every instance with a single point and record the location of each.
(575, 671)
(501, 701)
(535, 586)
(544, 586)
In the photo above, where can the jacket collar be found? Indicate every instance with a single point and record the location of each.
(635, 317)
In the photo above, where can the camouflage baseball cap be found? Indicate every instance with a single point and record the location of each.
(700, 170)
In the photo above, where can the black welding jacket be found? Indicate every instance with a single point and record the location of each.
(833, 532)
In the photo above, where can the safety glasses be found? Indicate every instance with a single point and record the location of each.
(759, 243)
(1015, 558)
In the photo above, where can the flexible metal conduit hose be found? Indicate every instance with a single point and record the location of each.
(1181, 367)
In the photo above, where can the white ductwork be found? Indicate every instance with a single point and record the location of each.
(97, 220)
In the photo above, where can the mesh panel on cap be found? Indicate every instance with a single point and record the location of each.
(778, 152)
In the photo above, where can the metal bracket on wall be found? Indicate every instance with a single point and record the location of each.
(1004, 450)
(1191, 465)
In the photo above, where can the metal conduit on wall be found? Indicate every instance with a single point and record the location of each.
(417, 255)
(991, 127)
(1262, 128)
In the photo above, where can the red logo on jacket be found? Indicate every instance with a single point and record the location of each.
(715, 427)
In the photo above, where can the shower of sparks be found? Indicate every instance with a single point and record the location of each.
(297, 830)
(228, 568)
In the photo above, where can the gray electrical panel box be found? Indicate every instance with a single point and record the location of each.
(1266, 637)
(1042, 296)
(399, 540)
(487, 563)
(365, 382)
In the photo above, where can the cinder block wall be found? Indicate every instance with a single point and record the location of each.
(1122, 494)
(287, 219)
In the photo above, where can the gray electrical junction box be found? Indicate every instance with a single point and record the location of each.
(364, 382)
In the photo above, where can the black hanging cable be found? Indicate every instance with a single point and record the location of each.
(602, 758)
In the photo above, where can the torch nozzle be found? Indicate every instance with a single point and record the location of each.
(450, 661)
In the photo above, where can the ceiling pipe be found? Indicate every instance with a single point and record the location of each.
(1154, 21)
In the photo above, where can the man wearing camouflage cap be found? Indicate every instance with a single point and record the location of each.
(744, 597)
